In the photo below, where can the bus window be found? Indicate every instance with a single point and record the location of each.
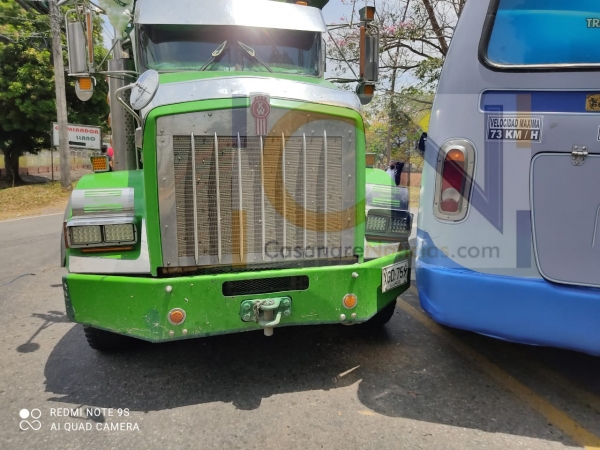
(549, 33)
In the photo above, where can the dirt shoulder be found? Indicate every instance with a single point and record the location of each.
(40, 196)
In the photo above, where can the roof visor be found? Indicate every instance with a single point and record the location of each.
(247, 13)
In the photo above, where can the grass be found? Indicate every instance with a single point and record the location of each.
(25, 200)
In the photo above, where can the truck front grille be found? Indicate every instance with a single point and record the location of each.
(232, 206)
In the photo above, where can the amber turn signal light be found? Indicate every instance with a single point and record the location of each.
(99, 163)
(85, 83)
(177, 316)
(350, 301)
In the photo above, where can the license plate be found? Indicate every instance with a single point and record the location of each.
(394, 276)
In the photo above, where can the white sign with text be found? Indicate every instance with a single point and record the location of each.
(80, 136)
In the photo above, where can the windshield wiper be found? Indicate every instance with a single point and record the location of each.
(253, 55)
(219, 51)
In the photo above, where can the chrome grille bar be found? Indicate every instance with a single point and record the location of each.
(241, 199)
(218, 197)
(195, 194)
(304, 184)
(262, 194)
(325, 210)
(283, 190)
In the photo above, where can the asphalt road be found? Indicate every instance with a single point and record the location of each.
(412, 385)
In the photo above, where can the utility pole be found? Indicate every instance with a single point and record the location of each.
(61, 96)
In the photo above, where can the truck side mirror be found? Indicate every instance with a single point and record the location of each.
(80, 46)
(369, 55)
(76, 48)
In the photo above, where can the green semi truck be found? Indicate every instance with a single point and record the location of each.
(240, 198)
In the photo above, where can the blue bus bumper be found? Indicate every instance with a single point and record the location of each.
(527, 311)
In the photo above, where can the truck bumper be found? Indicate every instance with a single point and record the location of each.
(139, 307)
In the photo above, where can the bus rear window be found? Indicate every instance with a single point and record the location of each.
(545, 33)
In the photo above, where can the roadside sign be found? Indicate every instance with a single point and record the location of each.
(80, 136)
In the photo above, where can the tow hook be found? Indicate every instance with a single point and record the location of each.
(266, 312)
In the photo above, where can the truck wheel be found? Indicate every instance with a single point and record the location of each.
(105, 341)
(383, 316)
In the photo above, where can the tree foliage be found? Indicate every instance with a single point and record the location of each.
(27, 90)
(415, 38)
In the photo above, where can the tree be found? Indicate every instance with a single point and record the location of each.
(415, 38)
(27, 95)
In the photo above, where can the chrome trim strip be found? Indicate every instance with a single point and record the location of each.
(91, 198)
(349, 167)
(194, 193)
(241, 198)
(304, 185)
(284, 190)
(218, 196)
(165, 162)
(228, 87)
(529, 67)
(100, 220)
(110, 266)
(325, 210)
(262, 193)
(230, 12)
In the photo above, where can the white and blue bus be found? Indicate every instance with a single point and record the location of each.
(509, 219)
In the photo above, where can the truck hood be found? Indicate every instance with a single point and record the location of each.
(230, 87)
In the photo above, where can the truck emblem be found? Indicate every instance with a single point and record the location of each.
(260, 106)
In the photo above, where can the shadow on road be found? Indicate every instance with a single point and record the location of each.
(48, 319)
(401, 371)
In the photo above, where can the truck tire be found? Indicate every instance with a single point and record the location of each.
(105, 341)
(383, 316)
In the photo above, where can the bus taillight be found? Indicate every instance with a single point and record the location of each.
(453, 181)
(456, 162)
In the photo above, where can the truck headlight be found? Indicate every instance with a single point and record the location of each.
(119, 233)
(86, 235)
(388, 225)
(377, 223)
(102, 234)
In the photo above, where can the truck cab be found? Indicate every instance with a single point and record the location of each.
(239, 199)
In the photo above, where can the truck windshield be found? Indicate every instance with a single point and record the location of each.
(173, 48)
(547, 33)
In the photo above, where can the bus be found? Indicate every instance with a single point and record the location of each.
(508, 226)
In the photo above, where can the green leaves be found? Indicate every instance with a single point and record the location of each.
(27, 90)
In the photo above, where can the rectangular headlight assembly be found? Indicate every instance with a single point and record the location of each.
(101, 233)
(388, 225)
